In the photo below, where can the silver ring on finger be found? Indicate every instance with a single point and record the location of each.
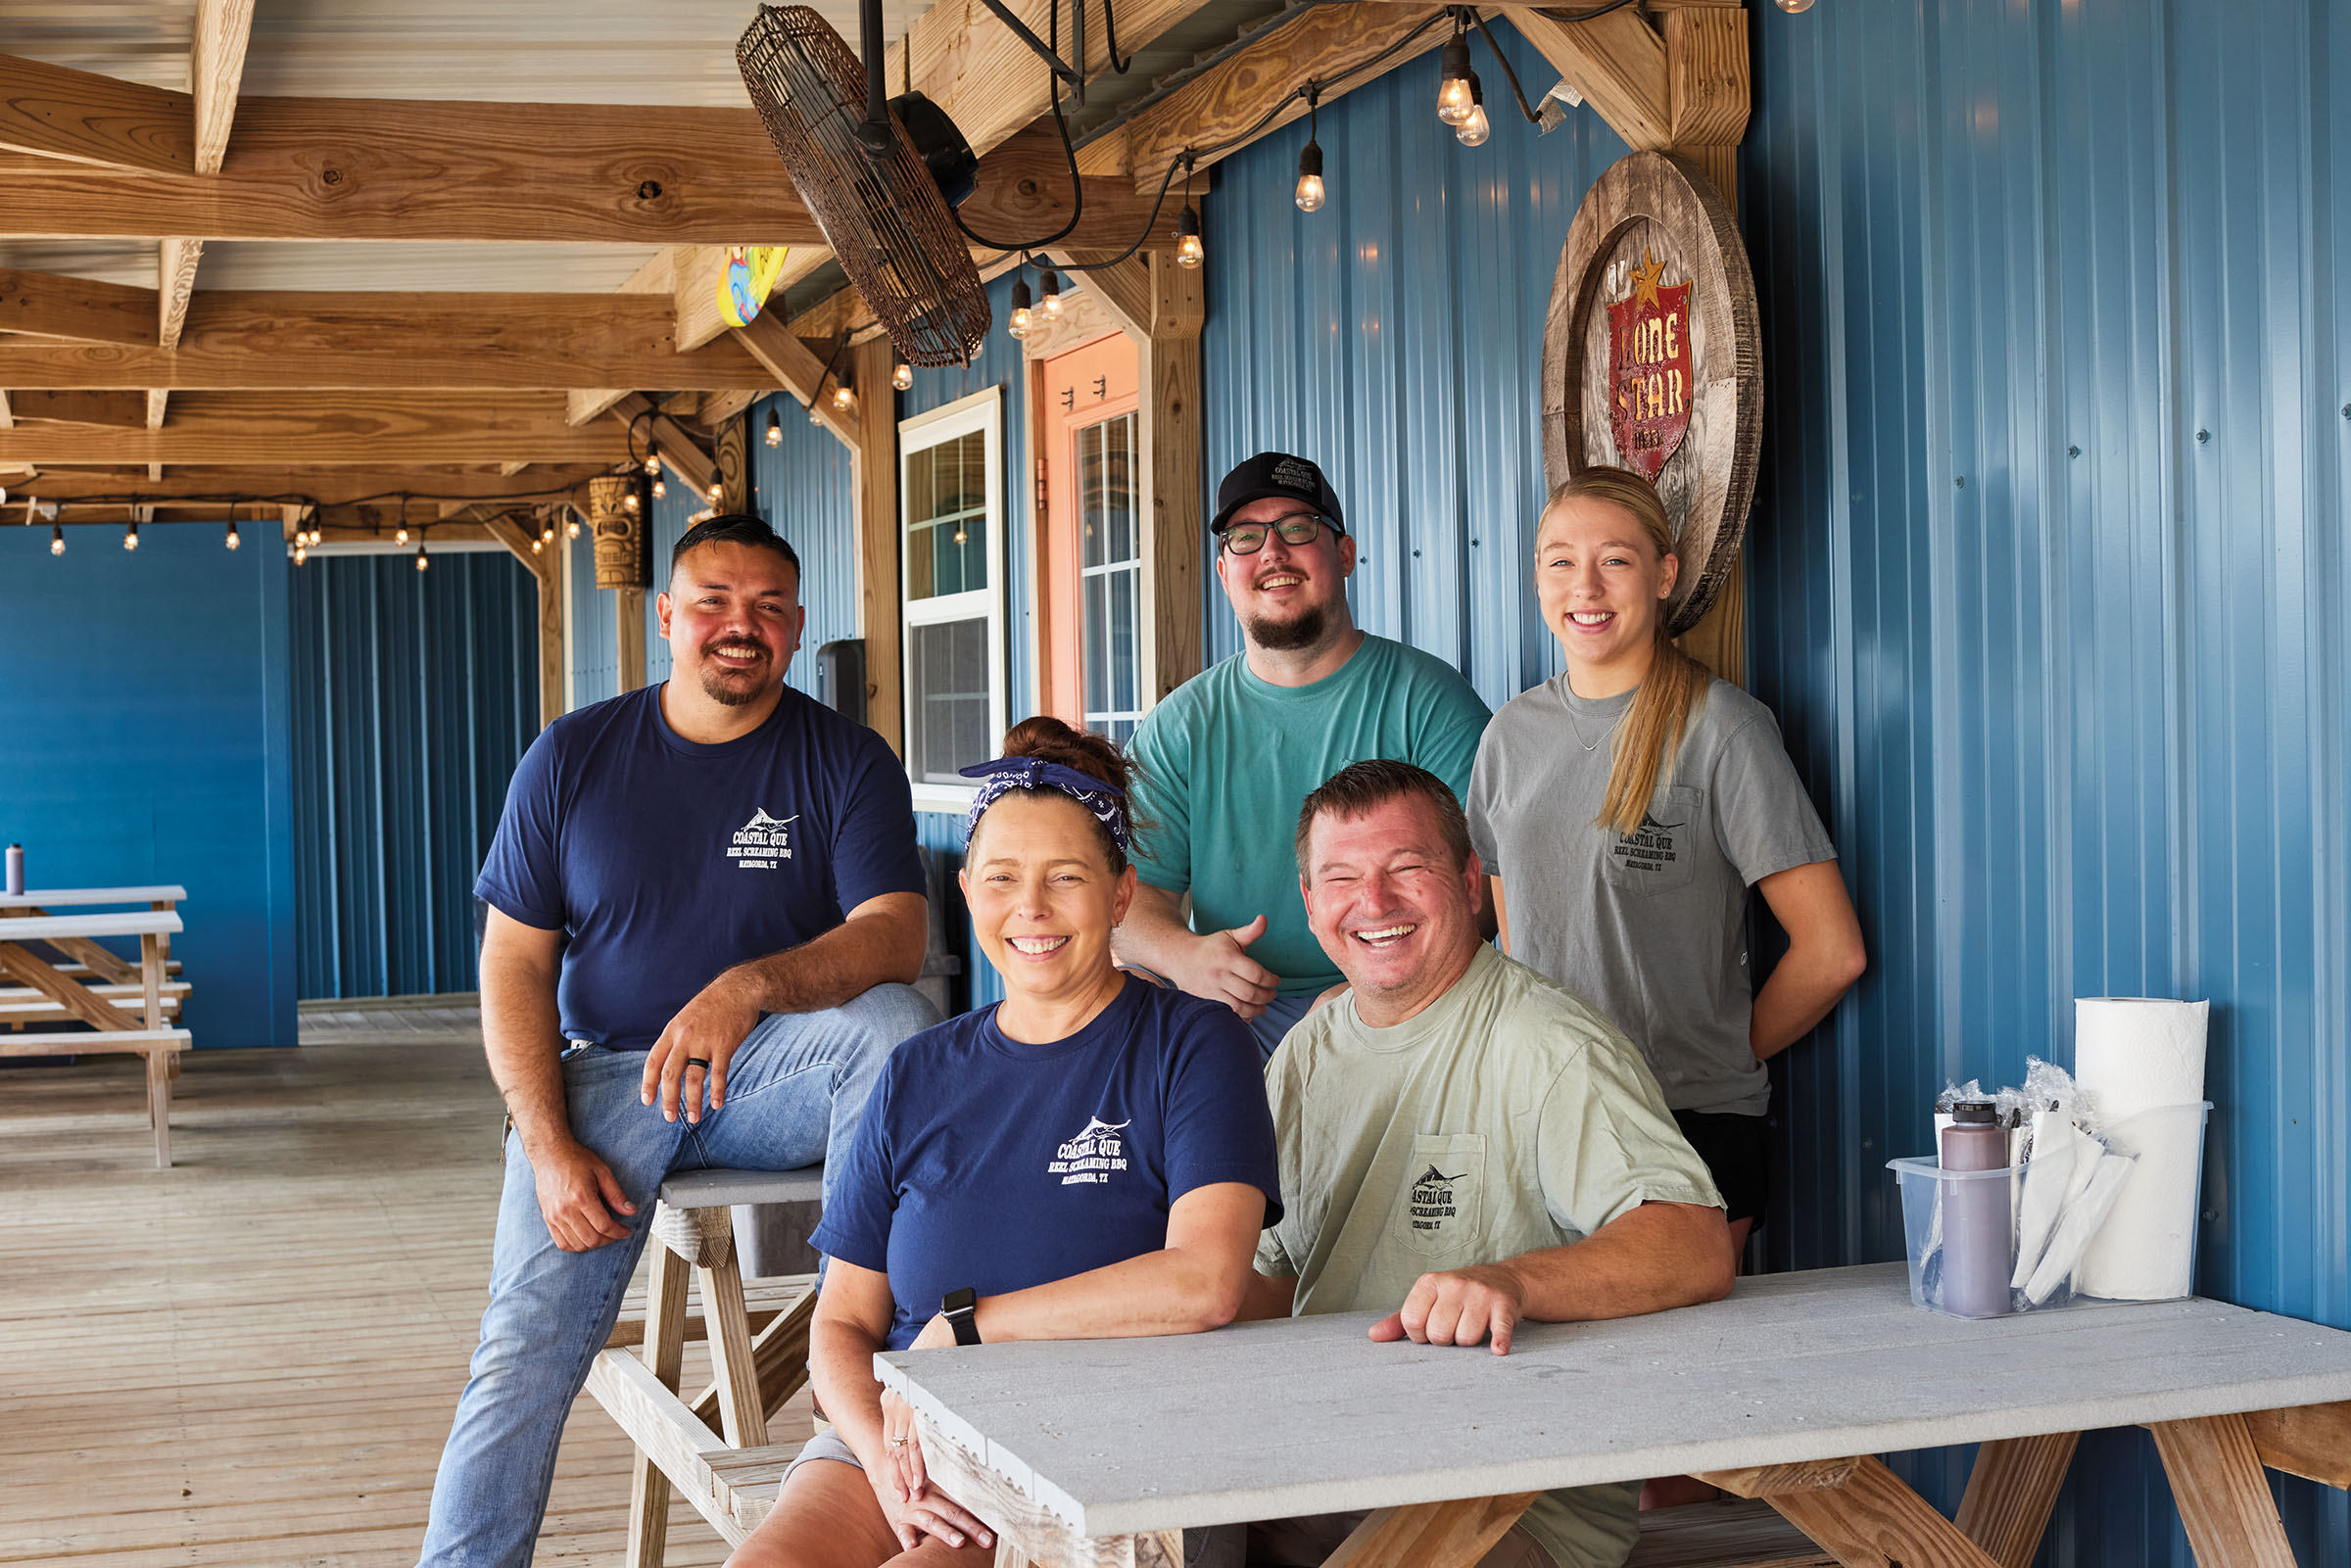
(897, 1442)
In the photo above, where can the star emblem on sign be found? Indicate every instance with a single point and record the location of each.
(1646, 276)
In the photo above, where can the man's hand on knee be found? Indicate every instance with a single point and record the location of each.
(1459, 1307)
(690, 1059)
(579, 1198)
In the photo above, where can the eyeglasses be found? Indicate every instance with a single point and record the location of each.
(1296, 530)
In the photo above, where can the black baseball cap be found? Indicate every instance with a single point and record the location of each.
(1275, 473)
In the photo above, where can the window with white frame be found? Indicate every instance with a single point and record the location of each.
(1111, 576)
(951, 503)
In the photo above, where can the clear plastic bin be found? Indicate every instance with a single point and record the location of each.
(2160, 1198)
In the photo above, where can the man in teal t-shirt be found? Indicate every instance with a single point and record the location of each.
(1227, 757)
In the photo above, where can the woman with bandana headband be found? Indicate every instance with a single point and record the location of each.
(1090, 1158)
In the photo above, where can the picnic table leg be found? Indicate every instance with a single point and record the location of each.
(1430, 1535)
(2223, 1492)
(665, 1354)
(726, 1325)
(159, 1105)
(2311, 1441)
(162, 971)
(2011, 1492)
(1867, 1520)
(151, 978)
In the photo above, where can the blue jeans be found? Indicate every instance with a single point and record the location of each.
(1281, 1014)
(796, 1087)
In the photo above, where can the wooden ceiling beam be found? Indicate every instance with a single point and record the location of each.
(1617, 62)
(123, 410)
(54, 112)
(51, 307)
(246, 428)
(327, 487)
(798, 371)
(640, 422)
(273, 340)
(215, 70)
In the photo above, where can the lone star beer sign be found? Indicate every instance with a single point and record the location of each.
(1652, 359)
(1649, 369)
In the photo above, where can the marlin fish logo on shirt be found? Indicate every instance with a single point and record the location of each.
(762, 843)
(1091, 1155)
(1431, 1201)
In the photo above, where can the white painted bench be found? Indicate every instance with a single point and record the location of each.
(1101, 1451)
(161, 896)
(20, 1003)
(756, 1366)
(116, 1022)
(161, 1048)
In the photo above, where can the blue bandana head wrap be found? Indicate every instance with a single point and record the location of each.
(998, 778)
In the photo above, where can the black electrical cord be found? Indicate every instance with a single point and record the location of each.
(1069, 150)
(1504, 60)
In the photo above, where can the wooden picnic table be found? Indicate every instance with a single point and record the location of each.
(112, 1026)
(1101, 1451)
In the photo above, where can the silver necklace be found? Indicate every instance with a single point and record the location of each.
(1592, 746)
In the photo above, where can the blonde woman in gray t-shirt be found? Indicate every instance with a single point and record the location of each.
(1624, 808)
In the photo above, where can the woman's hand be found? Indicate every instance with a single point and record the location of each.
(915, 1506)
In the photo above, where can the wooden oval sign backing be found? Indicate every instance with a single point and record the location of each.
(1653, 360)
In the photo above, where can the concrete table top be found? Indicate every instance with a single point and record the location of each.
(126, 923)
(61, 897)
(1267, 1420)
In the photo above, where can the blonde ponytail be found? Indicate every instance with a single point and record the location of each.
(1650, 735)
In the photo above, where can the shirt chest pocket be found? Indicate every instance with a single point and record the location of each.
(1662, 854)
(1444, 1198)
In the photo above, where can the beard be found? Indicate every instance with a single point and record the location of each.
(734, 689)
(1304, 630)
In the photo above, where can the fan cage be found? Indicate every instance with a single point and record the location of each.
(882, 216)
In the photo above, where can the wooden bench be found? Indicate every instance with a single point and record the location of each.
(161, 1048)
(20, 1003)
(755, 1366)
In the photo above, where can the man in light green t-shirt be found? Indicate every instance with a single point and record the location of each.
(1226, 758)
(1462, 1140)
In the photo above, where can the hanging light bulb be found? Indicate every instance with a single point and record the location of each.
(571, 526)
(903, 377)
(717, 491)
(400, 535)
(57, 539)
(1049, 283)
(959, 534)
(629, 501)
(652, 456)
(234, 540)
(317, 534)
(661, 487)
(422, 563)
(1454, 100)
(547, 531)
(845, 395)
(1188, 251)
(775, 429)
(537, 545)
(1795, 8)
(301, 550)
(1020, 321)
(1473, 129)
(130, 536)
(1311, 194)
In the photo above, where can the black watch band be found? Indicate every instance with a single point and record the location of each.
(962, 1310)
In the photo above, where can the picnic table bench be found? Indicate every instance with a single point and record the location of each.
(1101, 1451)
(119, 1021)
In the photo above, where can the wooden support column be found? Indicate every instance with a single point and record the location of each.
(1174, 545)
(518, 537)
(619, 537)
(881, 615)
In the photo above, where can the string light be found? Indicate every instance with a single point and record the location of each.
(775, 429)
(630, 504)
(1795, 8)
(1188, 251)
(653, 457)
(131, 535)
(57, 539)
(537, 545)
(903, 377)
(234, 540)
(547, 531)
(571, 526)
(717, 489)
(845, 396)
(400, 535)
(1311, 194)
(1050, 284)
(1453, 77)
(661, 487)
(422, 563)
(1020, 321)
(301, 550)
(1474, 129)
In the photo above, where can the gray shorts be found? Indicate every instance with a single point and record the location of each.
(826, 1445)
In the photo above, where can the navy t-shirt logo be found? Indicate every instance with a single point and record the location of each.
(1091, 1155)
(762, 842)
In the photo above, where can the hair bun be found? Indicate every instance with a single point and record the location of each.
(1050, 739)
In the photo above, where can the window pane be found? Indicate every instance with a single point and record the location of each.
(1099, 680)
(946, 517)
(1119, 694)
(949, 701)
(1118, 472)
(1090, 540)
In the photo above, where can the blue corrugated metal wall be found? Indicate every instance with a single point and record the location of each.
(587, 619)
(806, 487)
(413, 695)
(143, 700)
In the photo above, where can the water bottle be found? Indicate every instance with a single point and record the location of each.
(1978, 1231)
(15, 870)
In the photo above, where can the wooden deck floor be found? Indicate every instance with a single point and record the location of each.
(251, 1359)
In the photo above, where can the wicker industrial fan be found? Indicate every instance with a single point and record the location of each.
(879, 176)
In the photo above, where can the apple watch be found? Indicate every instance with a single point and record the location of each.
(962, 1309)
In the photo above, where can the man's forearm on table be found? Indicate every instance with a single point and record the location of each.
(524, 1042)
(1657, 1257)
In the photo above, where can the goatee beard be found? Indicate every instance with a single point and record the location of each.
(1304, 631)
(729, 688)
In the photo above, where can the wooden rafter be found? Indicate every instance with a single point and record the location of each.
(124, 409)
(53, 112)
(50, 306)
(215, 68)
(799, 371)
(1617, 62)
(293, 340)
(329, 487)
(245, 428)
(635, 412)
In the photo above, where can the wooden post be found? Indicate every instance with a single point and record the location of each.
(619, 533)
(518, 539)
(882, 617)
(1174, 544)
(628, 610)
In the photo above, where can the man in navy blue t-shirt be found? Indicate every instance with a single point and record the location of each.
(705, 906)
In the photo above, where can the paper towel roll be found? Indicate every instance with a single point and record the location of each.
(2133, 1053)
(2140, 1061)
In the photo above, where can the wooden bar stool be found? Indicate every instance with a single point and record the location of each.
(758, 1337)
